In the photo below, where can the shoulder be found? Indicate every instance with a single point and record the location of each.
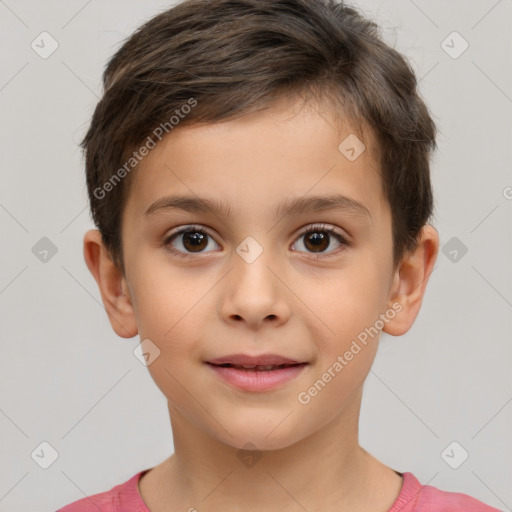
(415, 497)
(116, 499)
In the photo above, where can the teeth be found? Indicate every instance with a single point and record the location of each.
(256, 367)
(259, 367)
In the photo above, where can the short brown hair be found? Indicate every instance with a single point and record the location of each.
(227, 58)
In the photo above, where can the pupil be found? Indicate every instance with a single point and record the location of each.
(318, 240)
(195, 238)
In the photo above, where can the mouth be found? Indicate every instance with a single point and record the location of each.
(256, 374)
(259, 368)
(245, 360)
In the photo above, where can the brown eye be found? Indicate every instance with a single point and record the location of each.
(195, 241)
(189, 240)
(318, 238)
(316, 241)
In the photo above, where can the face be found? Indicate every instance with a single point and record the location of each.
(255, 279)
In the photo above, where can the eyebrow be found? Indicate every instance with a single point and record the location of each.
(290, 207)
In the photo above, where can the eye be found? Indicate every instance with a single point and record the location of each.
(318, 238)
(188, 240)
(195, 240)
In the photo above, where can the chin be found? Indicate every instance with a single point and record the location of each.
(259, 442)
(261, 433)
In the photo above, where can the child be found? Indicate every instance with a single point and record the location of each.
(258, 171)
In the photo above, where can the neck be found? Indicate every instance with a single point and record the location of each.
(327, 470)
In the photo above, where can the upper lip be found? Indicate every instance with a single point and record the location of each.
(261, 360)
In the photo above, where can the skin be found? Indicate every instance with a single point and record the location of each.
(291, 300)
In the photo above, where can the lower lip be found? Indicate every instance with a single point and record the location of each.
(257, 380)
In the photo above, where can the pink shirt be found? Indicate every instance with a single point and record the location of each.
(413, 497)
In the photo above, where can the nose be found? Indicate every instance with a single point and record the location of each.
(255, 294)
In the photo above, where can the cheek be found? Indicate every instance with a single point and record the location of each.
(171, 320)
(166, 299)
(342, 306)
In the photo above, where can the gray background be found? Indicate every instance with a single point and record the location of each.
(67, 379)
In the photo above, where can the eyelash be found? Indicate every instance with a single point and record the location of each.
(314, 228)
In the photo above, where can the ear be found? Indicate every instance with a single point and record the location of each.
(410, 281)
(112, 284)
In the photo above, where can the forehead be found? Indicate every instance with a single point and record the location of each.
(256, 163)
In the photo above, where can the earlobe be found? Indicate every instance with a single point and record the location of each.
(112, 285)
(410, 282)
